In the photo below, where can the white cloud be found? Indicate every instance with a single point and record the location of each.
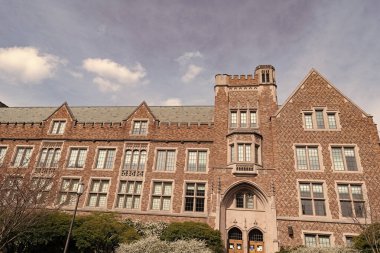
(192, 72)
(75, 74)
(26, 65)
(186, 57)
(111, 76)
(173, 102)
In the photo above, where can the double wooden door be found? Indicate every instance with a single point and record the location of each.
(256, 247)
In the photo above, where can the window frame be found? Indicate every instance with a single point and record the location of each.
(98, 193)
(364, 200)
(54, 161)
(2, 156)
(156, 159)
(325, 119)
(248, 121)
(197, 150)
(108, 148)
(308, 164)
(343, 147)
(313, 199)
(161, 195)
(68, 192)
(317, 234)
(60, 130)
(195, 197)
(68, 156)
(245, 193)
(125, 194)
(15, 152)
(233, 152)
(139, 130)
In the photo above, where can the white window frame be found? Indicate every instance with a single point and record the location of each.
(3, 154)
(68, 192)
(98, 149)
(357, 158)
(23, 165)
(196, 182)
(77, 157)
(317, 234)
(325, 114)
(156, 160)
(197, 150)
(139, 130)
(367, 214)
(125, 194)
(248, 122)
(307, 146)
(98, 193)
(162, 195)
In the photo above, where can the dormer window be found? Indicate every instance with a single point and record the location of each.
(58, 127)
(140, 127)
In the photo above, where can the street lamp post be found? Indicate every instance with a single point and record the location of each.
(79, 193)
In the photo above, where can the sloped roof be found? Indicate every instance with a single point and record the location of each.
(108, 113)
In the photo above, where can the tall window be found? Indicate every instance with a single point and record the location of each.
(58, 127)
(245, 200)
(97, 196)
(197, 160)
(134, 159)
(351, 200)
(195, 197)
(344, 158)
(317, 240)
(233, 119)
(161, 196)
(68, 191)
(3, 151)
(265, 76)
(244, 152)
(129, 194)
(42, 186)
(307, 158)
(312, 199)
(319, 118)
(140, 127)
(253, 118)
(49, 158)
(105, 158)
(22, 157)
(77, 157)
(165, 160)
(257, 154)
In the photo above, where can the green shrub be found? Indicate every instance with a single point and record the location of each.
(193, 230)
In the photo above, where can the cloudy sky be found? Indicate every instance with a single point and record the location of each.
(167, 52)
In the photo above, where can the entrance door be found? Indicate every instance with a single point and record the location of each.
(256, 241)
(235, 241)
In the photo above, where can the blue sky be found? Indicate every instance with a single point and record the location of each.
(167, 52)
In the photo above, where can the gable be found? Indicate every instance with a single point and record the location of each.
(62, 112)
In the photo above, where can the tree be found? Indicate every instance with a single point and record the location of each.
(369, 239)
(102, 232)
(193, 230)
(23, 196)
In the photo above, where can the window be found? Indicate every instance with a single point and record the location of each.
(307, 158)
(195, 197)
(317, 240)
(245, 200)
(105, 158)
(197, 160)
(244, 152)
(243, 118)
(319, 118)
(257, 154)
(312, 199)
(351, 200)
(165, 160)
(134, 159)
(161, 196)
(344, 159)
(58, 127)
(349, 240)
(3, 150)
(68, 191)
(49, 158)
(253, 118)
(10, 191)
(129, 194)
(97, 196)
(140, 127)
(77, 157)
(265, 76)
(42, 186)
(22, 157)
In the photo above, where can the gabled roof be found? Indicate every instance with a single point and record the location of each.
(64, 105)
(143, 104)
(100, 114)
(325, 79)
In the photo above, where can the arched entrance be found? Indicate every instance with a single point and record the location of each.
(235, 241)
(255, 241)
(247, 217)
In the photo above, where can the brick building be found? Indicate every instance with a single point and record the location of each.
(265, 175)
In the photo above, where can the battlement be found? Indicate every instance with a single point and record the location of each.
(264, 74)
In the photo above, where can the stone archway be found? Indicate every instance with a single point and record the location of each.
(246, 206)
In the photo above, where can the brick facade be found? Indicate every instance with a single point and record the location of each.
(254, 162)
